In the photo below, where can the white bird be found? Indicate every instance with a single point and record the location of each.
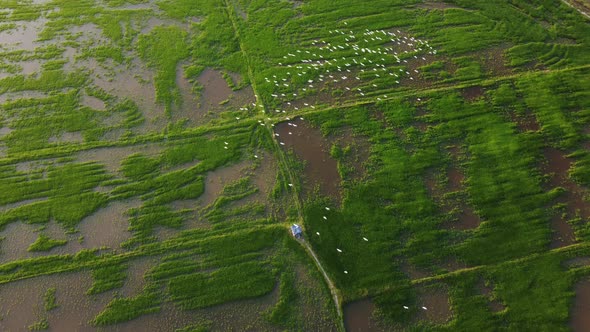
(327, 208)
(226, 143)
(424, 308)
(338, 250)
(282, 143)
(405, 307)
(290, 185)
(346, 272)
(318, 233)
(255, 156)
(365, 239)
(325, 218)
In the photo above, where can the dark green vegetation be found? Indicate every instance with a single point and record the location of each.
(464, 161)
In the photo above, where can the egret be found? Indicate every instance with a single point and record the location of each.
(325, 218)
(405, 307)
(424, 308)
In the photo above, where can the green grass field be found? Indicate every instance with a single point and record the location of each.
(139, 156)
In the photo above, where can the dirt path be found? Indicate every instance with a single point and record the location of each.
(580, 5)
(285, 167)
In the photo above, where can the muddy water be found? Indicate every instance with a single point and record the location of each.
(217, 179)
(108, 226)
(436, 301)
(111, 157)
(21, 303)
(215, 88)
(190, 106)
(579, 318)
(24, 36)
(67, 137)
(93, 103)
(30, 67)
(358, 316)
(310, 146)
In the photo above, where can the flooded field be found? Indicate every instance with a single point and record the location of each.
(358, 317)
(312, 149)
(456, 131)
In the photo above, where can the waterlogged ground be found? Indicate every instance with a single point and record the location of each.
(153, 154)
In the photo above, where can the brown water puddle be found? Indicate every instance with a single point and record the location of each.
(112, 157)
(473, 93)
(436, 302)
(136, 271)
(579, 318)
(358, 316)
(487, 290)
(310, 146)
(108, 227)
(494, 61)
(190, 106)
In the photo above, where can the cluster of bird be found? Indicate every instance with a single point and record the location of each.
(354, 64)
(325, 65)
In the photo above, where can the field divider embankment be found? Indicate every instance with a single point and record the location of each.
(287, 170)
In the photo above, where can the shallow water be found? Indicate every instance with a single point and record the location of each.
(310, 146)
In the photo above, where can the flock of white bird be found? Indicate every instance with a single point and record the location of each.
(356, 64)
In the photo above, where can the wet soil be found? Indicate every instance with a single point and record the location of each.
(466, 219)
(577, 262)
(456, 178)
(473, 93)
(557, 165)
(436, 302)
(525, 122)
(310, 146)
(487, 290)
(579, 318)
(358, 316)
(494, 61)
(413, 272)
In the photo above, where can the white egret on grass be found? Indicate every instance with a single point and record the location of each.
(424, 308)
(405, 307)
(338, 250)
(365, 239)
